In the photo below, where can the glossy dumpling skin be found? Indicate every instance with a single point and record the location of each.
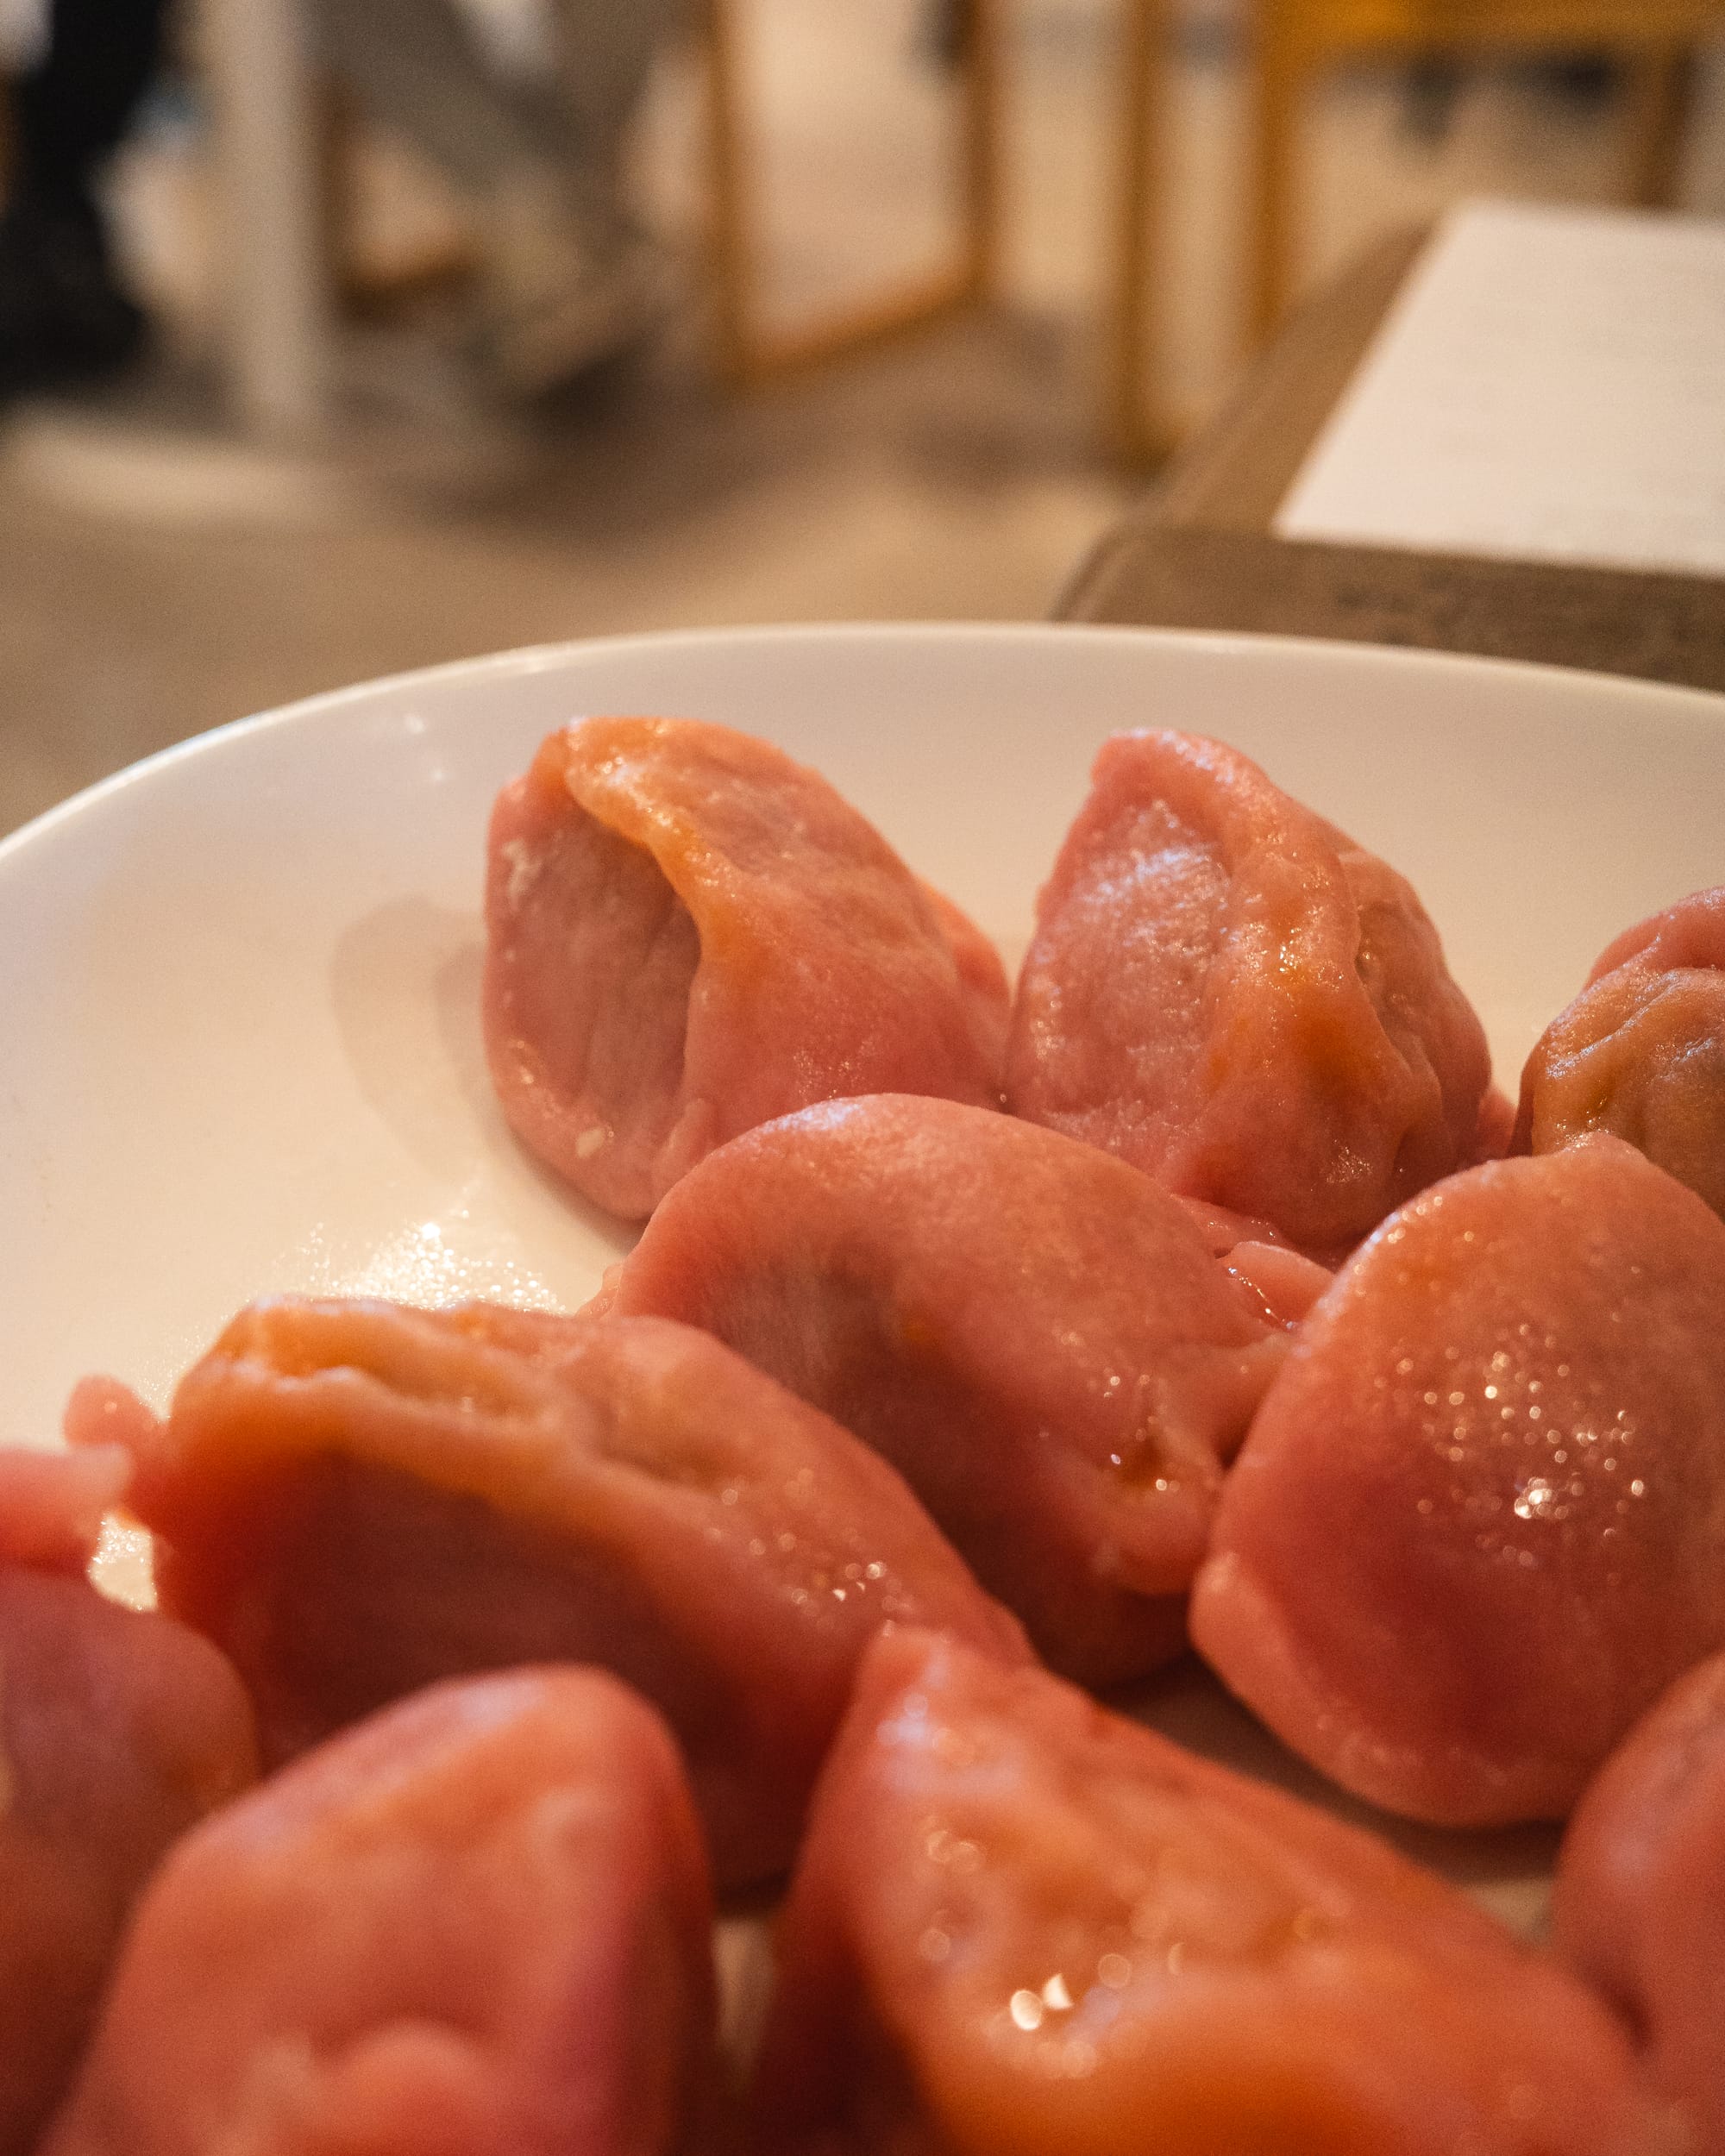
(1033, 1333)
(355, 1498)
(689, 934)
(477, 1925)
(118, 1731)
(1478, 1523)
(1639, 1902)
(1024, 1926)
(1641, 1052)
(1227, 992)
(1286, 1282)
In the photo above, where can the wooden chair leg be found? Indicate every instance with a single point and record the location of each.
(1279, 68)
(979, 177)
(731, 232)
(1661, 95)
(1135, 425)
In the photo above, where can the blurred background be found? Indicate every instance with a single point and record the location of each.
(465, 447)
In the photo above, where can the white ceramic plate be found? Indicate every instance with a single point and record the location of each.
(240, 1048)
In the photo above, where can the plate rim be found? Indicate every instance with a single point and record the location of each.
(1677, 698)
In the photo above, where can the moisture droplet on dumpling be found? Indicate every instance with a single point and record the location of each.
(1478, 1523)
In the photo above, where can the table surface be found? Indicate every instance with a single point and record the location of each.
(1199, 553)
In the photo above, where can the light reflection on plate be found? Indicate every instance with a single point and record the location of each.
(241, 1050)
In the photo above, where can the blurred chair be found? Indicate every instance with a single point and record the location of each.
(1293, 39)
(361, 286)
(749, 353)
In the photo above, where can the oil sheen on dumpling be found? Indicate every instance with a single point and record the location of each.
(1478, 1523)
(1641, 1052)
(1227, 992)
(355, 1498)
(689, 934)
(1640, 1902)
(1033, 1333)
(1022, 1925)
(119, 1729)
(477, 1925)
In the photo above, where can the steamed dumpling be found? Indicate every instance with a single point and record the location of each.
(478, 1925)
(1641, 1052)
(1639, 1903)
(1034, 1334)
(1229, 994)
(119, 1730)
(1478, 1523)
(689, 934)
(1024, 1926)
(355, 1498)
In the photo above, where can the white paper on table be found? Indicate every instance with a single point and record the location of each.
(1550, 385)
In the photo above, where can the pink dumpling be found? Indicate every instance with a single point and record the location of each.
(1689, 933)
(1033, 1333)
(1639, 1903)
(355, 1498)
(1262, 1258)
(1024, 1926)
(478, 1925)
(1227, 992)
(689, 934)
(1641, 1052)
(118, 1731)
(1478, 1523)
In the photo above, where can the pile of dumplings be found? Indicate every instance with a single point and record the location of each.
(983, 1352)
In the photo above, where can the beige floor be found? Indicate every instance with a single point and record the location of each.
(157, 578)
